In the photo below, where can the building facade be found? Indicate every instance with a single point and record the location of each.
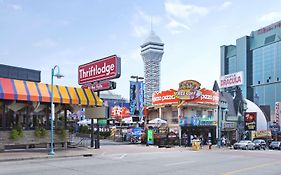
(195, 116)
(258, 56)
(152, 51)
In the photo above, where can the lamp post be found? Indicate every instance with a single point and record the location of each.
(58, 75)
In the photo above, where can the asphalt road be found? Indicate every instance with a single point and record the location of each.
(145, 160)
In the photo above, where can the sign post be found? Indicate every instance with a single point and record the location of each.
(91, 75)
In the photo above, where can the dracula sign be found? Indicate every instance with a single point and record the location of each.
(230, 80)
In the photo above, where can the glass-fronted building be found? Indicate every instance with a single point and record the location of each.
(259, 57)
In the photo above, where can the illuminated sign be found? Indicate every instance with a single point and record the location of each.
(102, 69)
(188, 90)
(230, 80)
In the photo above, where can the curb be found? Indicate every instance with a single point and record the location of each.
(46, 157)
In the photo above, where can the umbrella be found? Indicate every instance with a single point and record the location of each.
(157, 121)
(84, 122)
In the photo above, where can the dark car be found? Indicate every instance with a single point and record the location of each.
(259, 144)
(275, 145)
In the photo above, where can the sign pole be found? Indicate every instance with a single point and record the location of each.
(97, 145)
(92, 132)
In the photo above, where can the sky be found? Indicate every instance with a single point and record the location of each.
(41, 34)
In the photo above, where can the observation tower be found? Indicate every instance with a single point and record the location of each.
(151, 51)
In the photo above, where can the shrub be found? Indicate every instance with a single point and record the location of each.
(16, 133)
(40, 132)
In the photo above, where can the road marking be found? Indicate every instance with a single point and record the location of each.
(122, 156)
(251, 168)
(180, 163)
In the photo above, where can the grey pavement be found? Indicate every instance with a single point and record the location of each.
(107, 147)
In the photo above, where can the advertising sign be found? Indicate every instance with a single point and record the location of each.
(134, 96)
(164, 97)
(120, 111)
(274, 129)
(277, 112)
(230, 80)
(100, 86)
(250, 120)
(188, 90)
(261, 134)
(150, 139)
(102, 69)
(207, 96)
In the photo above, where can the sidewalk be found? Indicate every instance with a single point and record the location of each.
(43, 154)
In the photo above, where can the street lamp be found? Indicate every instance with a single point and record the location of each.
(58, 75)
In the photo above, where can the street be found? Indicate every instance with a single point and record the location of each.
(139, 159)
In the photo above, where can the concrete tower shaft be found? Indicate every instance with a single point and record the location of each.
(151, 51)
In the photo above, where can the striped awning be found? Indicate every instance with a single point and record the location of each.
(20, 90)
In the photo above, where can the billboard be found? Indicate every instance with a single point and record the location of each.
(164, 97)
(234, 79)
(120, 111)
(102, 69)
(136, 96)
(277, 112)
(250, 119)
(188, 90)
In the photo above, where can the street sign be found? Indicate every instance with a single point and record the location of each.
(100, 86)
(95, 112)
(102, 69)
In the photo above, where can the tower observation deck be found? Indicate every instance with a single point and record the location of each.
(151, 51)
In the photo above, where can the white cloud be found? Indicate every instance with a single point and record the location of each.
(270, 17)
(226, 4)
(181, 15)
(141, 23)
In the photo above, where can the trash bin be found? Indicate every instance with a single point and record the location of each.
(195, 145)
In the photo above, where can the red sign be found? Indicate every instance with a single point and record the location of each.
(164, 97)
(102, 69)
(100, 86)
(118, 112)
(207, 96)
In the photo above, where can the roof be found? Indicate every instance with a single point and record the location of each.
(11, 89)
(152, 38)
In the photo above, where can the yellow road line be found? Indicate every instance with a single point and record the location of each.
(251, 168)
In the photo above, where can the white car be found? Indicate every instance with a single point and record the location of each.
(244, 144)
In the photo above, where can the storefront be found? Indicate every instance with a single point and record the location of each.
(189, 110)
(26, 105)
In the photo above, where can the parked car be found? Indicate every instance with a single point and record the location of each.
(244, 144)
(275, 145)
(260, 144)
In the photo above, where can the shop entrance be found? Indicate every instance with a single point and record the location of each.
(204, 133)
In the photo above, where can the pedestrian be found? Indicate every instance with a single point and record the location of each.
(223, 140)
(185, 139)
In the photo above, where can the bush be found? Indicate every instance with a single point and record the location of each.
(84, 129)
(61, 133)
(16, 133)
(40, 132)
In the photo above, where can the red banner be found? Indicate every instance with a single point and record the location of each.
(164, 97)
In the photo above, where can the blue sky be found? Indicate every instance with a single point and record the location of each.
(40, 34)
